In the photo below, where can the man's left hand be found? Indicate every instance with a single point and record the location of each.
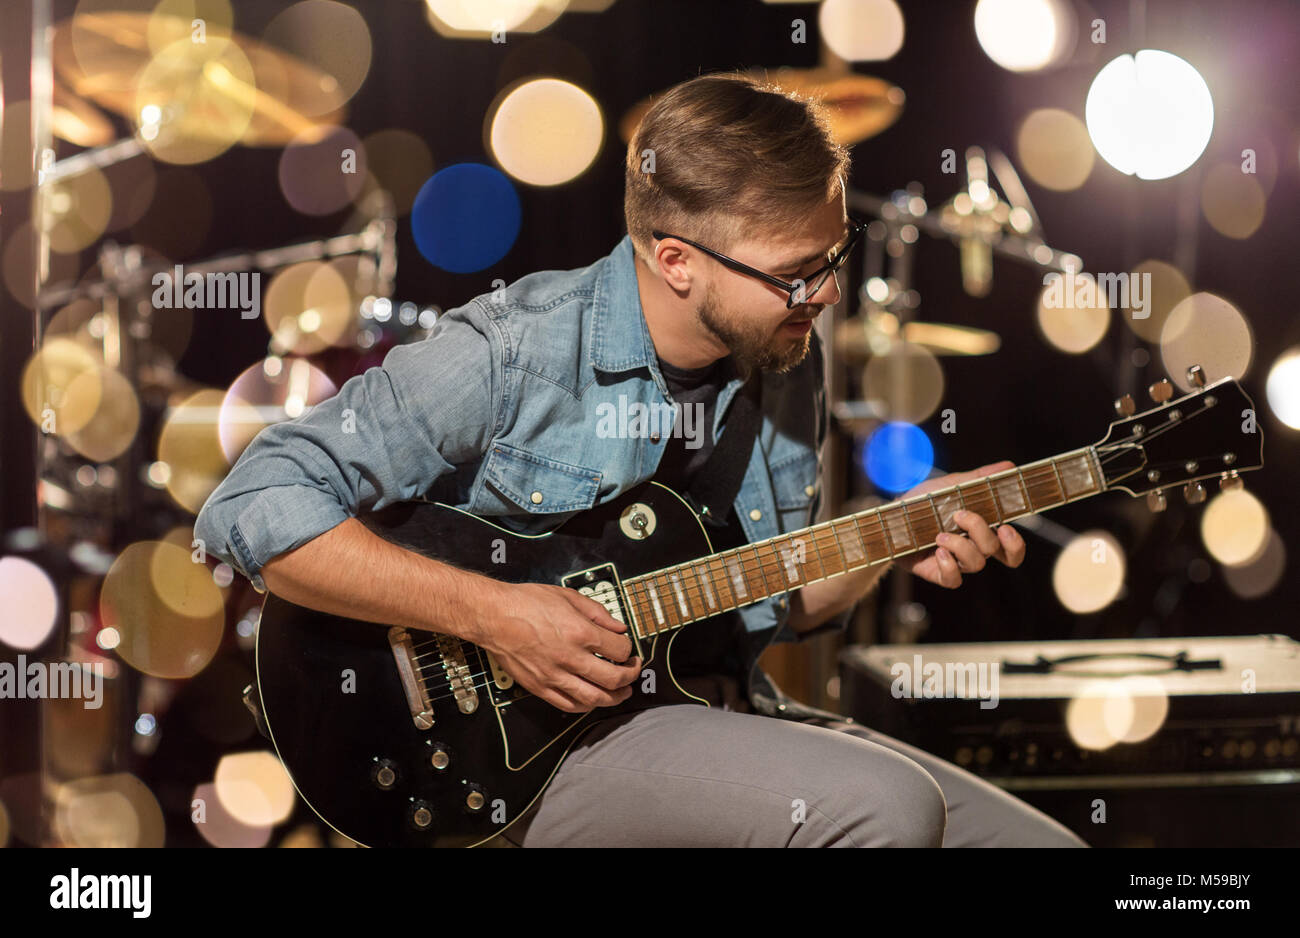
(955, 554)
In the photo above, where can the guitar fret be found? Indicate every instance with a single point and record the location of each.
(706, 587)
(1020, 478)
(821, 560)
(889, 541)
(676, 582)
(857, 546)
(993, 497)
(1059, 484)
(655, 605)
(739, 587)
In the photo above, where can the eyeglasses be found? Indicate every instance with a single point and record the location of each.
(801, 289)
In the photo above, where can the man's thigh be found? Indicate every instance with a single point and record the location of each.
(688, 775)
(979, 814)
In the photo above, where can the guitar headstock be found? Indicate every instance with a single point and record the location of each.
(1209, 433)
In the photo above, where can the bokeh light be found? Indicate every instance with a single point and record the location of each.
(190, 446)
(1283, 388)
(219, 827)
(20, 264)
(308, 307)
(77, 210)
(545, 132)
(315, 176)
(193, 100)
(400, 162)
(897, 456)
(1168, 288)
(169, 625)
(60, 388)
(1078, 316)
(116, 418)
(1235, 527)
(31, 604)
(1089, 572)
(1054, 149)
(271, 391)
(907, 379)
(478, 19)
(861, 30)
(466, 217)
(1024, 35)
(1119, 710)
(1206, 330)
(254, 788)
(1232, 201)
(1261, 575)
(115, 810)
(1149, 114)
(332, 37)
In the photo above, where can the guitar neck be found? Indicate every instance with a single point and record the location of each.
(667, 599)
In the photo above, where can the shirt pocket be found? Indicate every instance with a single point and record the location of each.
(515, 481)
(794, 484)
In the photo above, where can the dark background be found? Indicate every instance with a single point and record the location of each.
(1023, 403)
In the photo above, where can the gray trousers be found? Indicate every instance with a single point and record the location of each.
(694, 776)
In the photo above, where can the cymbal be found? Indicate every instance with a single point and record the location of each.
(101, 56)
(859, 106)
(862, 337)
(77, 121)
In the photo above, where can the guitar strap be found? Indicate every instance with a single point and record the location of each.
(715, 484)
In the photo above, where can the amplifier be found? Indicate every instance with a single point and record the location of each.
(1164, 712)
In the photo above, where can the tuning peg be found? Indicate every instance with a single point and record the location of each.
(1161, 391)
(1156, 501)
(1229, 480)
(1125, 407)
(1196, 376)
(1194, 492)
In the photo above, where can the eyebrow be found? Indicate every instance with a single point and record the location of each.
(791, 265)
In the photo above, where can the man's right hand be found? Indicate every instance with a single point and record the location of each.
(546, 638)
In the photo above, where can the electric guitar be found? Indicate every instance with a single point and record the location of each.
(398, 737)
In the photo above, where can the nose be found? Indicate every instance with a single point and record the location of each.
(827, 293)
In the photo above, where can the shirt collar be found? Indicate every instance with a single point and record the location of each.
(620, 339)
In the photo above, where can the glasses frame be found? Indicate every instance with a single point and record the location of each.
(856, 227)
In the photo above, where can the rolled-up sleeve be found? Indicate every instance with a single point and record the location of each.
(385, 437)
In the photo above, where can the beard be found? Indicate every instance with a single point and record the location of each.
(752, 345)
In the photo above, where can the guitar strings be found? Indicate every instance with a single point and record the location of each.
(1035, 476)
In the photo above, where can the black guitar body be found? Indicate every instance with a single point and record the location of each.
(351, 733)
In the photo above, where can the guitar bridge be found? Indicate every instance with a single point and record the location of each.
(459, 676)
(417, 695)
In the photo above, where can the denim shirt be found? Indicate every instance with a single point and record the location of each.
(497, 412)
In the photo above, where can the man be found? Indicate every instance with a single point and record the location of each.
(735, 207)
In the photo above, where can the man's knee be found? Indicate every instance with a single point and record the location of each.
(900, 807)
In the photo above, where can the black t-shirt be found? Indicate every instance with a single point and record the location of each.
(704, 647)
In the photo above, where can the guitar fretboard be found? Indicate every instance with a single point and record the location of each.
(675, 596)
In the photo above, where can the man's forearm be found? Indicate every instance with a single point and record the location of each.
(818, 602)
(350, 571)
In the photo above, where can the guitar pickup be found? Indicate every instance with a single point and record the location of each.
(417, 695)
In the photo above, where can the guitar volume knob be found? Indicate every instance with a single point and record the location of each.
(420, 815)
(384, 774)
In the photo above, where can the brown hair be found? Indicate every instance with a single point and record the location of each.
(733, 156)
